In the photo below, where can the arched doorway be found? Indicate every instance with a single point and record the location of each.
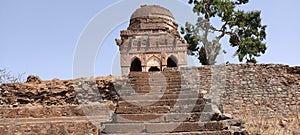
(136, 65)
(153, 69)
(172, 61)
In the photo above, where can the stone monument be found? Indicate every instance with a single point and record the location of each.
(151, 42)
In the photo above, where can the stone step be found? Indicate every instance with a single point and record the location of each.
(153, 73)
(164, 109)
(148, 90)
(137, 74)
(223, 132)
(53, 126)
(170, 127)
(179, 87)
(160, 88)
(153, 92)
(167, 77)
(159, 96)
(152, 85)
(141, 110)
(154, 79)
(147, 81)
(99, 118)
(156, 89)
(55, 111)
(158, 118)
(130, 92)
(137, 85)
(158, 76)
(147, 86)
(163, 102)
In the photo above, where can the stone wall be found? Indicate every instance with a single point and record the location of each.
(57, 92)
(271, 90)
(56, 107)
(268, 88)
(244, 90)
(266, 96)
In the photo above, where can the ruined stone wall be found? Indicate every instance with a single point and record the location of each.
(56, 106)
(57, 92)
(263, 90)
(268, 89)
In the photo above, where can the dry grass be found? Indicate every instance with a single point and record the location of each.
(264, 118)
(257, 125)
(260, 121)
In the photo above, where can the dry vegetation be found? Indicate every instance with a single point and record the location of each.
(270, 126)
(262, 122)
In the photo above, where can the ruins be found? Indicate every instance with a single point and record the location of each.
(255, 98)
(151, 42)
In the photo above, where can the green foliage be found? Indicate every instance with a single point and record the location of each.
(245, 31)
(6, 77)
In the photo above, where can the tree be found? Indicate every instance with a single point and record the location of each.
(245, 31)
(6, 77)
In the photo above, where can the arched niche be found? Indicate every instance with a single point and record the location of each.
(136, 65)
(153, 63)
(172, 61)
(153, 69)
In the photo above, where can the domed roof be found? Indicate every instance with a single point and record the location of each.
(152, 10)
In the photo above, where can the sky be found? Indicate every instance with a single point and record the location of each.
(53, 38)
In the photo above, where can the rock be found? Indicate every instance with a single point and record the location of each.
(226, 116)
(118, 41)
(204, 91)
(242, 132)
(235, 122)
(215, 109)
(33, 79)
(282, 123)
(15, 105)
(296, 132)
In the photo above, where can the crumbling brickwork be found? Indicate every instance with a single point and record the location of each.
(263, 91)
(56, 107)
(151, 41)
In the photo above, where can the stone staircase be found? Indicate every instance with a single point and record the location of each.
(52, 120)
(168, 102)
(160, 103)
